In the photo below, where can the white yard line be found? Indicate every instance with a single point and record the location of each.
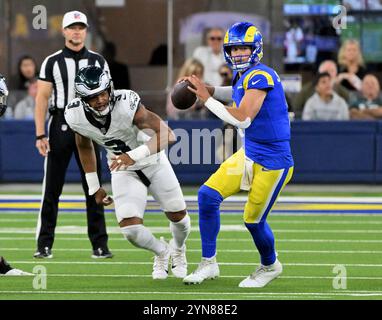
(63, 275)
(183, 293)
(223, 228)
(233, 199)
(277, 213)
(219, 240)
(226, 221)
(46, 261)
(220, 251)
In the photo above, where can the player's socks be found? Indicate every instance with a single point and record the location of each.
(264, 240)
(180, 231)
(209, 219)
(141, 237)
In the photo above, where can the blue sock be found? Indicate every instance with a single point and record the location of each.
(264, 240)
(209, 219)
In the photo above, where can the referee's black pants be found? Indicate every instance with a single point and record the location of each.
(62, 145)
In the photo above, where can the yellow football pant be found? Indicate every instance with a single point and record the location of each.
(265, 188)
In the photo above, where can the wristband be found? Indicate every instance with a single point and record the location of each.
(93, 182)
(41, 136)
(139, 153)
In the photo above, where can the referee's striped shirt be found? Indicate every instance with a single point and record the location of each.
(61, 68)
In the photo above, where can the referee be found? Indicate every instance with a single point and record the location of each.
(56, 82)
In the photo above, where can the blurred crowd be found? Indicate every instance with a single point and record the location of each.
(340, 90)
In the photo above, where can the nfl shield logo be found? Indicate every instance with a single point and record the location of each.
(77, 15)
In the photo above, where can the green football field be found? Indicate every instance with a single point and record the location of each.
(330, 248)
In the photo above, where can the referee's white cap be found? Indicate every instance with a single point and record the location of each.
(72, 17)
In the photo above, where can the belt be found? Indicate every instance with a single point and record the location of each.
(56, 110)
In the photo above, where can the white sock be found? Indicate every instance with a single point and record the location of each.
(211, 259)
(180, 231)
(141, 237)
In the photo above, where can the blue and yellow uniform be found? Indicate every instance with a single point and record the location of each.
(265, 142)
(265, 162)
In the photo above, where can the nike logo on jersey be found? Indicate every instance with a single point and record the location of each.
(254, 82)
(264, 169)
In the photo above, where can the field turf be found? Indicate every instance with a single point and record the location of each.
(312, 238)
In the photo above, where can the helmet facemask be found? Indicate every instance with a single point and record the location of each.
(242, 62)
(109, 107)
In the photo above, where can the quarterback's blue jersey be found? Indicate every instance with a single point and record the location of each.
(266, 140)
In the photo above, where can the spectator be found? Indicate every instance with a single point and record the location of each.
(308, 89)
(27, 71)
(190, 67)
(293, 42)
(325, 104)
(226, 74)
(119, 71)
(25, 108)
(367, 105)
(159, 56)
(211, 56)
(351, 65)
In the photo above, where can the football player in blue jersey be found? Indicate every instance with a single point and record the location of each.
(262, 167)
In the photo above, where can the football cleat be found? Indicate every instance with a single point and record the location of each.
(207, 269)
(45, 253)
(178, 260)
(18, 272)
(262, 276)
(102, 254)
(7, 270)
(160, 268)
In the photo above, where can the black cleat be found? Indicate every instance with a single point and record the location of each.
(102, 254)
(45, 253)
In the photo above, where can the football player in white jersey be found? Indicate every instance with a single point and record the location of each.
(5, 268)
(117, 120)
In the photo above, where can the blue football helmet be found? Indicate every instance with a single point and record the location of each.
(243, 34)
(3, 95)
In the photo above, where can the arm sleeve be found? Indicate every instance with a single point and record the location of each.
(223, 93)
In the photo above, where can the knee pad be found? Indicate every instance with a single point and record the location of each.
(132, 232)
(175, 205)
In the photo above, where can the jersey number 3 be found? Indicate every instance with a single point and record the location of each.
(118, 146)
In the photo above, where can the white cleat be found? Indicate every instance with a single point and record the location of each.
(207, 269)
(262, 276)
(18, 272)
(160, 268)
(178, 260)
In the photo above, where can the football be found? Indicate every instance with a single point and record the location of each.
(181, 97)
